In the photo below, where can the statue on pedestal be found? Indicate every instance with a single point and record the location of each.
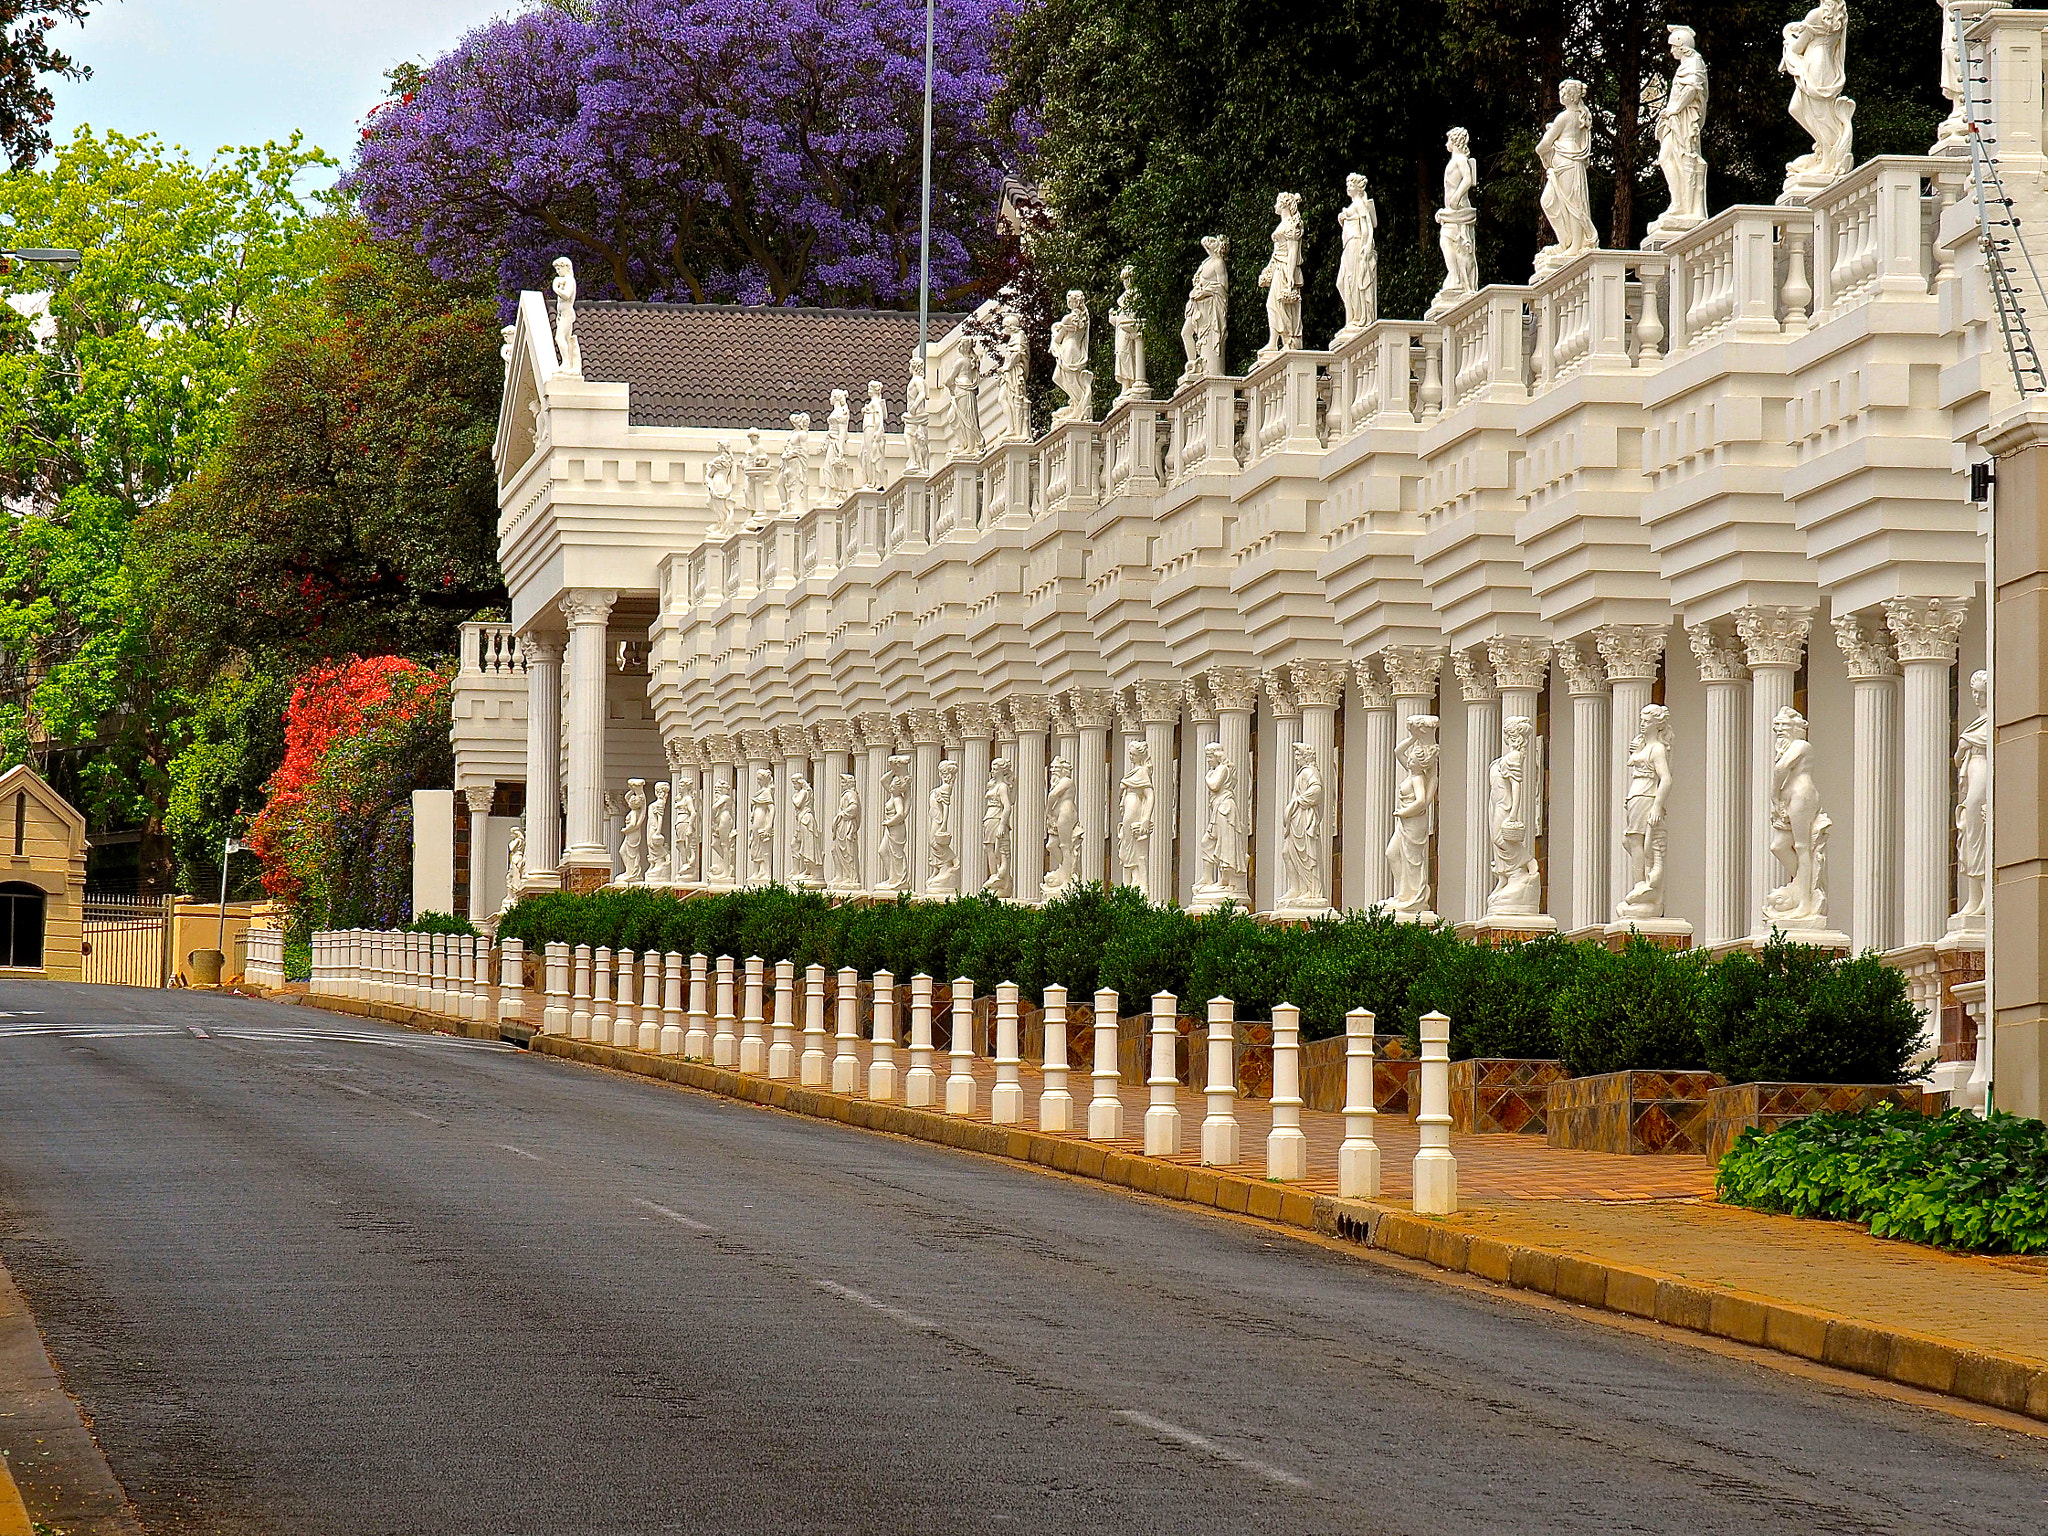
(657, 837)
(1646, 806)
(1301, 832)
(999, 808)
(1129, 326)
(1225, 847)
(1358, 268)
(891, 851)
(721, 471)
(1134, 815)
(1070, 359)
(1062, 829)
(838, 449)
(515, 866)
(963, 386)
(1816, 57)
(917, 439)
(846, 836)
(761, 829)
(1414, 817)
(723, 852)
(632, 847)
(1679, 122)
(795, 489)
(566, 343)
(1973, 808)
(1454, 222)
(1799, 830)
(806, 840)
(945, 855)
(1564, 150)
(1015, 360)
(687, 832)
(1516, 821)
(1281, 278)
(1205, 323)
(874, 427)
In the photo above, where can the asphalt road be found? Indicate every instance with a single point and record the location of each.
(308, 1276)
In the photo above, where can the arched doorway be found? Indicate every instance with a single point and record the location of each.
(21, 926)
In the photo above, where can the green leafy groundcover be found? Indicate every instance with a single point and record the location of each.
(1954, 1180)
(1789, 1014)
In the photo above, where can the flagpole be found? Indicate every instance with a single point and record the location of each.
(924, 243)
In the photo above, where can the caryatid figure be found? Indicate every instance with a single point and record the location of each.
(1516, 821)
(1134, 816)
(1129, 326)
(1225, 842)
(1281, 278)
(1301, 835)
(657, 837)
(1454, 223)
(998, 816)
(1358, 268)
(892, 848)
(1205, 323)
(1646, 809)
(722, 853)
(761, 829)
(1565, 150)
(687, 832)
(1679, 122)
(632, 844)
(874, 428)
(1799, 829)
(1414, 818)
(1070, 372)
(1973, 807)
(945, 851)
(845, 875)
(1062, 829)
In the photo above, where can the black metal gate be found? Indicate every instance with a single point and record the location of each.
(127, 939)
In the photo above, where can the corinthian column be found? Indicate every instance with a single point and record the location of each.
(1094, 712)
(1633, 653)
(1235, 691)
(1194, 817)
(1159, 713)
(1587, 684)
(878, 740)
(1275, 783)
(928, 741)
(1482, 746)
(1773, 643)
(543, 655)
(1874, 865)
(1369, 774)
(977, 727)
(1727, 684)
(477, 799)
(1031, 717)
(1318, 687)
(1412, 672)
(587, 862)
(1926, 629)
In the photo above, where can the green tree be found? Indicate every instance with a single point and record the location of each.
(26, 57)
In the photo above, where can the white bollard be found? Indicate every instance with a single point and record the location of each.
(483, 1000)
(579, 1017)
(962, 1092)
(554, 1010)
(1219, 1125)
(462, 978)
(1162, 1115)
(782, 1053)
(697, 1025)
(753, 1037)
(1006, 1099)
(1358, 1158)
(512, 982)
(1286, 1147)
(437, 973)
(650, 1000)
(1436, 1170)
(846, 1056)
(601, 995)
(671, 1042)
(1105, 1108)
(1055, 1104)
(812, 1070)
(625, 1004)
(921, 1083)
(882, 1069)
(725, 1044)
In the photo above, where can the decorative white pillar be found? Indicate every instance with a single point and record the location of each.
(1587, 683)
(543, 653)
(963, 1093)
(1286, 1144)
(1874, 864)
(1219, 1124)
(1435, 1173)
(1925, 629)
(1194, 809)
(928, 738)
(1030, 716)
(977, 728)
(587, 862)
(1162, 1114)
(1094, 711)
(1006, 1099)
(1482, 746)
(1318, 688)
(477, 798)
(721, 784)
(1159, 714)
(758, 750)
(1358, 1156)
(1634, 654)
(1055, 1100)
(1235, 691)
(878, 740)
(1773, 643)
(1726, 680)
(1369, 773)
(1105, 1105)
(1412, 673)
(882, 1064)
(1276, 780)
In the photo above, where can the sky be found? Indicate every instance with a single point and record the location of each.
(208, 73)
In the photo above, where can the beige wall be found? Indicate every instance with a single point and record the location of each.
(52, 858)
(196, 924)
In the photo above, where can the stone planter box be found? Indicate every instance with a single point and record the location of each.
(1630, 1112)
(1501, 1095)
(1766, 1106)
(1393, 1074)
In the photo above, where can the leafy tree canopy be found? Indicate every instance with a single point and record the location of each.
(26, 58)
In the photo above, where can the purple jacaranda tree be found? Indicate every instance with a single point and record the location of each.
(765, 151)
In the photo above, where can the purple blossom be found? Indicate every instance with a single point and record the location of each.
(750, 150)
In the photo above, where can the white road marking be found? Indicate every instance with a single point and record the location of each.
(895, 1314)
(361, 1093)
(1208, 1447)
(675, 1216)
(196, 1032)
(506, 1146)
(423, 1115)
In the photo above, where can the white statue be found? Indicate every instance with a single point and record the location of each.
(1564, 150)
(760, 472)
(1062, 829)
(1516, 822)
(687, 833)
(1973, 807)
(515, 865)
(795, 488)
(1816, 57)
(1225, 847)
(938, 422)
(1281, 278)
(846, 836)
(761, 829)
(1644, 835)
(1358, 268)
(917, 427)
(1070, 371)
(1679, 122)
(1129, 326)
(1014, 364)
(944, 858)
(1414, 817)
(963, 386)
(1799, 830)
(1205, 323)
(657, 837)
(632, 837)
(507, 333)
(874, 425)
(1134, 814)
(1454, 222)
(1954, 137)
(720, 857)
(1301, 835)
(566, 343)
(891, 849)
(838, 449)
(720, 473)
(806, 836)
(998, 816)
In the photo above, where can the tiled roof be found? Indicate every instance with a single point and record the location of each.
(736, 366)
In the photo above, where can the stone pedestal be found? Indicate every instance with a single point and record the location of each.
(1664, 932)
(1507, 930)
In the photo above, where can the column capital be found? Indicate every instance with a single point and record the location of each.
(540, 647)
(794, 740)
(975, 722)
(1926, 627)
(1317, 682)
(1126, 706)
(1583, 675)
(1519, 661)
(479, 797)
(834, 735)
(1279, 695)
(1234, 689)
(1030, 714)
(1091, 708)
(588, 605)
(1201, 708)
(877, 729)
(1158, 703)
(684, 755)
(1865, 648)
(1773, 637)
(1633, 652)
(1718, 658)
(1373, 691)
(1413, 670)
(927, 728)
(1475, 677)
(759, 746)
(721, 749)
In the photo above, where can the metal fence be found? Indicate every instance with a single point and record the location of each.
(127, 939)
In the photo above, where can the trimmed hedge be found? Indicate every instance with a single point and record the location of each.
(1954, 1181)
(1794, 1014)
(441, 922)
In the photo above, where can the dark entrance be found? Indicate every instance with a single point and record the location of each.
(21, 925)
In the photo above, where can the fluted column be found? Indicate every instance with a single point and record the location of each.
(1773, 643)
(1874, 864)
(686, 769)
(1634, 653)
(1318, 688)
(1587, 682)
(757, 748)
(1094, 711)
(1159, 714)
(1275, 779)
(1925, 629)
(477, 799)
(1235, 691)
(1031, 717)
(1482, 746)
(928, 741)
(835, 739)
(1726, 680)
(1368, 789)
(878, 740)
(1412, 673)
(794, 743)
(587, 611)
(543, 655)
(1198, 737)
(721, 783)
(977, 726)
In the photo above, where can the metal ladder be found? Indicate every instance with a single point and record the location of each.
(1998, 228)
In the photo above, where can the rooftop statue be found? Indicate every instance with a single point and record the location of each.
(1454, 222)
(564, 287)
(1358, 268)
(1129, 326)
(1070, 372)
(1281, 278)
(1679, 121)
(1816, 57)
(1205, 323)
(1565, 148)
(874, 426)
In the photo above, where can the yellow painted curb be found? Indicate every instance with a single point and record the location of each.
(13, 1513)
(1911, 1360)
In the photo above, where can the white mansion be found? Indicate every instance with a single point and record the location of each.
(1648, 593)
